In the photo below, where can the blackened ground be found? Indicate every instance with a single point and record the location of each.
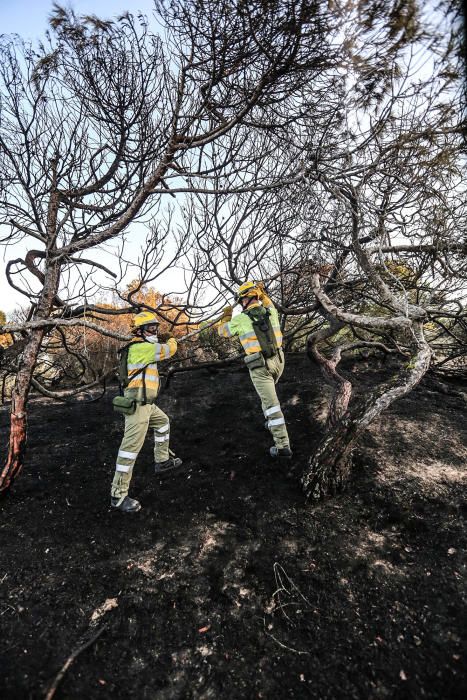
(226, 584)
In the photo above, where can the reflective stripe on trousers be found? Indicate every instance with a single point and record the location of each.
(264, 380)
(136, 427)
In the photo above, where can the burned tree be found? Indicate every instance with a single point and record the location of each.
(397, 186)
(355, 218)
(107, 117)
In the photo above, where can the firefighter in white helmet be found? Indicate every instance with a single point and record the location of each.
(259, 331)
(143, 385)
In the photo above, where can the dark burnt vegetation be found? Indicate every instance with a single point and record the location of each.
(317, 147)
(227, 583)
(288, 142)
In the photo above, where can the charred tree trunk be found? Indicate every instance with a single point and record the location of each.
(342, 387)
(18, 419)
(19, 398)
(50, 280)
(328, 468)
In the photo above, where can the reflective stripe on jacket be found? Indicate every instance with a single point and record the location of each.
(242, 326)
(146, 354)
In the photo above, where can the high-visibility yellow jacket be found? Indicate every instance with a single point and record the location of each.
(143, 354)
(242, 326)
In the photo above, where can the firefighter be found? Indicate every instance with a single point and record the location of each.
(143, 386)
(259, 332)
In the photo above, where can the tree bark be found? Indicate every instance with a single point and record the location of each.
(20, 394)
(329, 466)
(342, 387)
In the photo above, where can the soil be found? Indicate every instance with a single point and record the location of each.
(227, 584)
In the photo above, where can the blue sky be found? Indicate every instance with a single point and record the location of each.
(29, 17)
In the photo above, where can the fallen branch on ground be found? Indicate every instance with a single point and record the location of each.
(73, 656)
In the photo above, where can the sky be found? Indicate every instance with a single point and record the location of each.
(29, 19)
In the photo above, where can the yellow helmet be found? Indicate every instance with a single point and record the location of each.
(247, 289)
(145, 318)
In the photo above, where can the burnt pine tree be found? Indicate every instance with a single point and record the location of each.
(358, 226)
(94, 121)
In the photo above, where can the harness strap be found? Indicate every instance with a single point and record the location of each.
(264, 331)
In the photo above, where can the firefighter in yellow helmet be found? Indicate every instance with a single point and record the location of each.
(142, 355)
(259, 331)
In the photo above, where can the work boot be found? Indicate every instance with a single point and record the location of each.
(281, 452)
(168, 467)
(125, 504)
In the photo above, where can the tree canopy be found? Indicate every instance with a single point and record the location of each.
(316, 147)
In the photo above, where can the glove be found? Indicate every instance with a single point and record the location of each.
(226, 314)
(163, 337)
(262, 295)
(172, 343)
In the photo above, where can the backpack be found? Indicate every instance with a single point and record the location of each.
(122, 373)
(260, 318)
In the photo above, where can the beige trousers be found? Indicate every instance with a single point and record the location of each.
(264, 380)
(136, 428)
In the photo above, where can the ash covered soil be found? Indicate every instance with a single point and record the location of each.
(227, 584)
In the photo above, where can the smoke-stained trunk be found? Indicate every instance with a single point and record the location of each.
(50, 281)
(328, 468)
(342, 388)
(27, 365)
